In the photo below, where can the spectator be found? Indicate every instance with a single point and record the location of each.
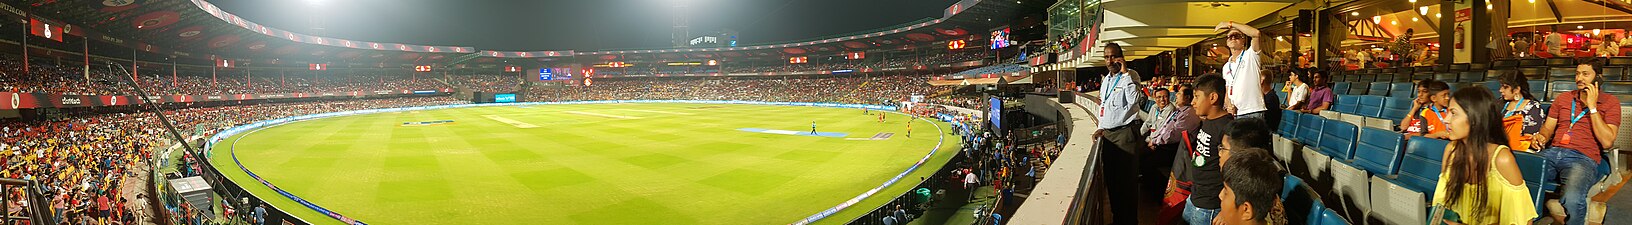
(1522, 113)
(1320, 94)
(1251, 188)
(1161, 108)
(1577, 134)
(1119, 129)
(1555, 44)
(1165, 141)
(1427, 111)
(1272, 103)
(1300, 90)
(1242, 92)
(1206, 178)
(1481, 182)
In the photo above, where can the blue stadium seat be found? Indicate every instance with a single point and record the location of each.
(1378, 88)
(1472, 76)
(1495, 87)
(1341, 88)
(1408, 192)
(1302, 204)
(1396, 107)
(1337, 140)
(1278, 87)
(1347, 105)
(1291, 183)
(1289, 124)
(1330, 217)
(1370, 106)
(1561, 86)
(1420, 167)
(1538, 88)
(1403, 89)
(1378, 152)
(1309, 129)
(1534, 168)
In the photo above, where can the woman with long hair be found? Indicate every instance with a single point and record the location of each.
(1481, 182)
(1522, 113)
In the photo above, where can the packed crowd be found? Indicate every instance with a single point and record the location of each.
(931, 60)
(848, 89)
(1208, 144)
(82, 159)
(490, 83)
(47, 77)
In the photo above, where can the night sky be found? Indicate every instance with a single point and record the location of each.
(577, 24)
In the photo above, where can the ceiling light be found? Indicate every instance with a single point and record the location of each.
(1377, 19)
(1412, 1)
(1354, 14)
(1423, 9)
(1413, 19)
(1532, 1)
(1596, 31)
(1396, 22)
(1578, 27)
(1437, 15)
(1488, 6)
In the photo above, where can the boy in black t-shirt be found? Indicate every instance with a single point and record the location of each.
(1206, 178)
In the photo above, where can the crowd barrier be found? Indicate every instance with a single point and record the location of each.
(252, 127)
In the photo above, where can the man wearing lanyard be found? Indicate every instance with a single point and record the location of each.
(1118, 135)
(1157, 112)
(1241, 78)
(1580, 125)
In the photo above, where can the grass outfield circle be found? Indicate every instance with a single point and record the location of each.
(647, 163)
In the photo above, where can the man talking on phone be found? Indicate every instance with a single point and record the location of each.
(1580, 125)
(1118, 135)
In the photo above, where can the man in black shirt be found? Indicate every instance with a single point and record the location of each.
(1206, 178)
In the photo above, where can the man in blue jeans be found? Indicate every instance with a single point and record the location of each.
(1580, 125)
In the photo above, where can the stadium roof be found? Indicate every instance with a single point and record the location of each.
(200, 29)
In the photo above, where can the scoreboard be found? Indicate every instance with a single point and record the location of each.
(47, 30)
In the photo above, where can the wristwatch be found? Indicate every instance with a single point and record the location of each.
(1592, 110)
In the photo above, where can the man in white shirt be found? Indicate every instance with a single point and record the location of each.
(1300, 90)
(1241, 72)
(1119, 135)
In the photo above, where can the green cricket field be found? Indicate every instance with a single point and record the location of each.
(646, 163)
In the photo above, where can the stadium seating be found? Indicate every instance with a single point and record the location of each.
(1376, 153)
(1285, 135)
(1341, 88)
(1534, 167)
(1408, 191)
(1403, 89)
(1538, 88)
(1378, 88)
(1302, 204)
(1337, 144)
(1394, 110)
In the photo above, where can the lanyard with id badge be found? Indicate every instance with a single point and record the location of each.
(1565, 139)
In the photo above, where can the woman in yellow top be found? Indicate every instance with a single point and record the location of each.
(1481, 183)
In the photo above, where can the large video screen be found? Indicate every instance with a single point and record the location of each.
(1000, 38)
(504, 98)
(546, 74)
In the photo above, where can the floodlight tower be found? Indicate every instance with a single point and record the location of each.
(680, 31)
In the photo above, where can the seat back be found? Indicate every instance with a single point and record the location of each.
(1347, 104)
(1538, 88)
(1288, 124)
(1396, 107)
(1446, 77)
(1369, 106)
(1340, 88)
(1330, 217)
(1494, 86)
(1534, 168)
(1309, 126)
(1403, 89)
(1337, 140)
(1420, 167)
(1378, 88)
(1559, 87)
(1471, 76)
(1302, 204)
(1378, 151)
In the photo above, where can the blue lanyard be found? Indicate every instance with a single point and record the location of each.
(1112, 86)
(1441, 115)
(1576, 118)
(1515, 109)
